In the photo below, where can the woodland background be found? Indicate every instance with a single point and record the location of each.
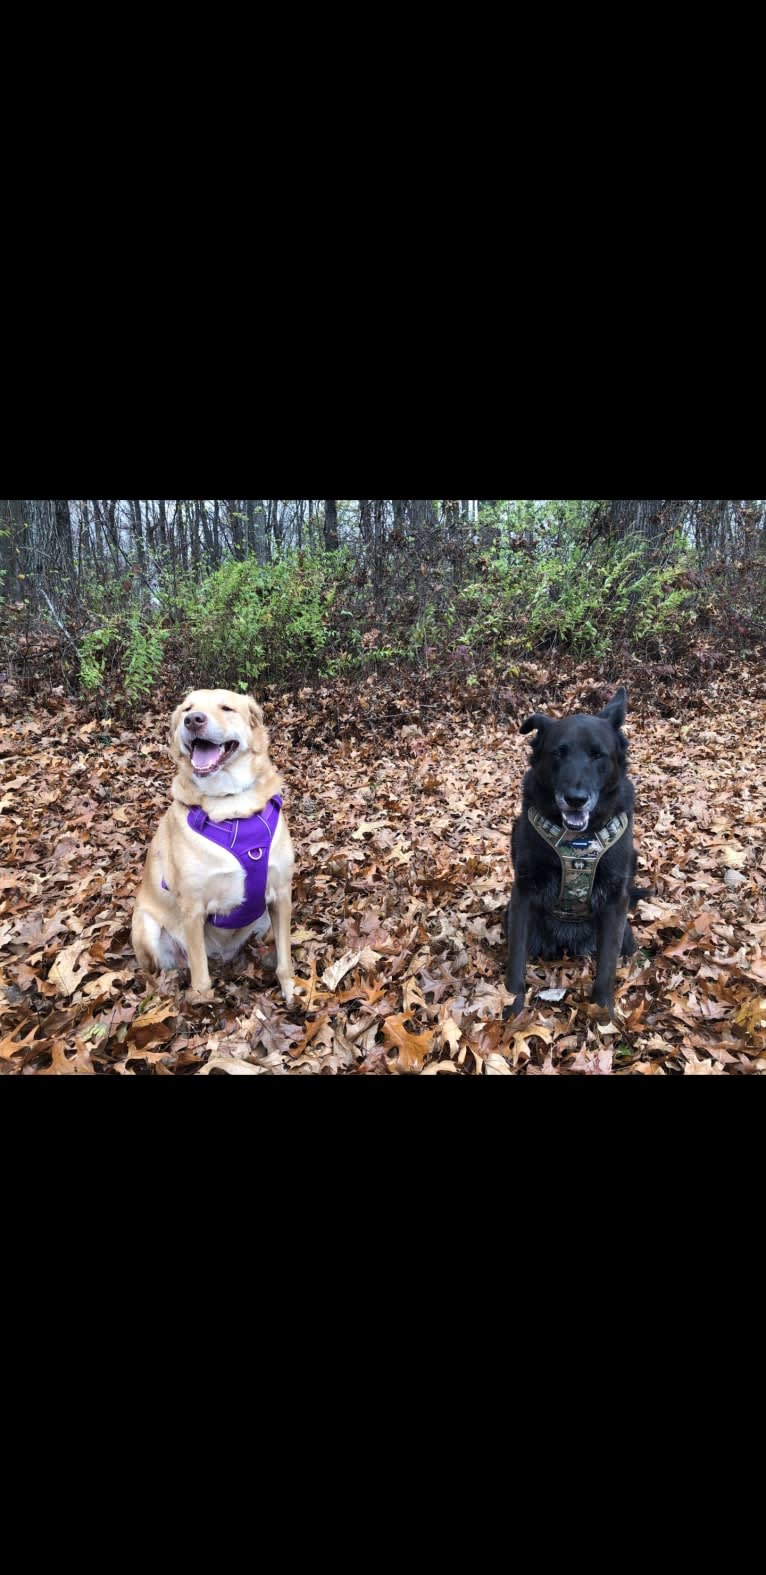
(396, 646)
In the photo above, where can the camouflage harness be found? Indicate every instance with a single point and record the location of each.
(579, 860)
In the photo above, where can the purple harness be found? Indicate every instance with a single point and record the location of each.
(249, 840)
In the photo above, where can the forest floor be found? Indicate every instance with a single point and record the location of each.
(400, 800)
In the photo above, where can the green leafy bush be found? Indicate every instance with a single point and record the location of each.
(532, 577)
(131, 644)
(248, 620)
(558, 588)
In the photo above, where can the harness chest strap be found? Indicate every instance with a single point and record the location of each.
(250, 840)
(579, 857)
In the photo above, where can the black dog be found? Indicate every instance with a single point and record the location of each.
(572, 849)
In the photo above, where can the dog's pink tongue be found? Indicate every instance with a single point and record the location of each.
(205, 757)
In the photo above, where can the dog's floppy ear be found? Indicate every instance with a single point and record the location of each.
(254, 712)
(175, 719)
(614, 712)
(537, 721)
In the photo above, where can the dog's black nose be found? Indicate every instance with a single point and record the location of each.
(576, 800)
(195, 721)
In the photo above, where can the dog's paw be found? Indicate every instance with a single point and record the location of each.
(199, 997)
(514, 1010)
(600, 1011)
(287, 986)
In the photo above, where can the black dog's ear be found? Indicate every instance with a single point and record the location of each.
(614, 712)
(537, 721)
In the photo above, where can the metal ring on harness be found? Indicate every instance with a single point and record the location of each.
(255, 854)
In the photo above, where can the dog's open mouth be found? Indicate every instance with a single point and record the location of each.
(573, 821)
(207, 757)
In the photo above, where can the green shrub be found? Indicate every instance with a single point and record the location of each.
(93, 651)
(132, 645)
(588, 597)
(532, 577)
(142, 653)
(248, 620)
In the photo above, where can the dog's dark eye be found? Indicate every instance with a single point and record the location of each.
(227, 708)
(597, 754)
(186, 708)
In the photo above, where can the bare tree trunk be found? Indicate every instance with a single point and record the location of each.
(15, 546)
(237, 532)
(163, 526)
(138, 531)
(181, 528)
(261, 546)
(151, 528)
(422, 520)
(454, 544)
(331, 525)
(194, 519)
(216, 534)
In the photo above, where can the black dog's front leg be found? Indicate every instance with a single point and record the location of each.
(518, 930)
(610, 928)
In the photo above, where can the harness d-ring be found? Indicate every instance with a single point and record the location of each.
(255, 854)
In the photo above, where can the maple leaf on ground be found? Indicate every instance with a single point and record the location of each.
(451, 1034)
(104, 983)
(10, 1045)
(598, 1063)
(521, 1036)
(413, 1048)
(317, 1029)
(64, 974)
(695, 1066)
(376, 1062)
(752, 1014)
(367, 958)
(36, 932)
(307, 991)
(496, 1065)
(80, 1063)
(154, 1026)
(366, 826)
(230, 1064)
(269, 1028)
(412, 995)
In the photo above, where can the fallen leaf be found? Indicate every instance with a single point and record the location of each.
(496, 1065)
(413, 1048)
(696, 1066)
(232, 1065)
(367, 958)
(64, 973)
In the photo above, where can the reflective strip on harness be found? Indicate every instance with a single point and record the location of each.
(579, 858)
